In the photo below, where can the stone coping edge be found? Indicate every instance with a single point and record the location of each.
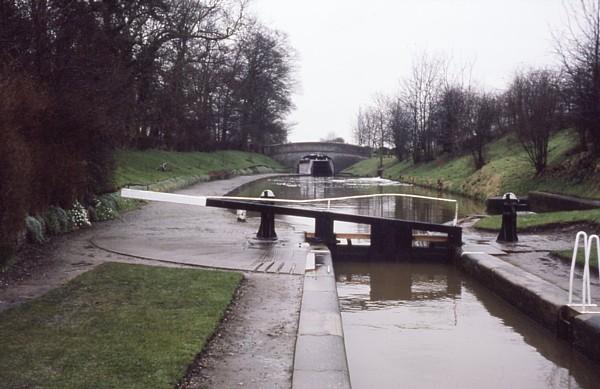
(542, 301)
(320, 358)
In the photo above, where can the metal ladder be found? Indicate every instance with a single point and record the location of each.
(586, 292)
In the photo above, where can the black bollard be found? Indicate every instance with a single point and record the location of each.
(508, 230)
(266, 231)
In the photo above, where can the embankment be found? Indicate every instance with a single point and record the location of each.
(507, 170)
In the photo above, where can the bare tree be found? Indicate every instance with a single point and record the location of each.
(533, 108)
(420, 94)
(400, 128)
(482, 114)
(579, 50)
(332, 137)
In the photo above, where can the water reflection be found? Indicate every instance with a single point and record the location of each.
(428, 326)
(394, 283)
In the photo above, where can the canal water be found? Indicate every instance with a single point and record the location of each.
(428, 325)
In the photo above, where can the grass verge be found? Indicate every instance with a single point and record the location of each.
(567, 256)
(144, 167)
(543, 220)
(118, 326)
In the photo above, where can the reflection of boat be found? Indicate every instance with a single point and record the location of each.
(316, 165)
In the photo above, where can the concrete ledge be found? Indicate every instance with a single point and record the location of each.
(586, 334)
(539, 299)
(316, 379)
(547, 202)
(320, 358)
(536, 297)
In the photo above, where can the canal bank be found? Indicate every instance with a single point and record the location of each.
(525, 274)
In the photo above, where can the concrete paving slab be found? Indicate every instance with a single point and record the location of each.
(321, 380)
(314, 353)
(319, 323)
(325, 302)
(318, 284)
(320, 358)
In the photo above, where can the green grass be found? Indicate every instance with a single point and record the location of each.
(142, 167)
(118, 326)
(368, 167)
(507, 170)
(543, 220)
(567, 256)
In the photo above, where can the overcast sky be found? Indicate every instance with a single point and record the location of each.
(349, 50)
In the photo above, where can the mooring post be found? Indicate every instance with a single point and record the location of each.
(266, 231)
(508, 230)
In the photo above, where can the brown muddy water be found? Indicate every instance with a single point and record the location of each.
(427, 325)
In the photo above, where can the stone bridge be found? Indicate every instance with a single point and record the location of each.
(342, 154)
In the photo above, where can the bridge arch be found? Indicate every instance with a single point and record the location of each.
(342, 154)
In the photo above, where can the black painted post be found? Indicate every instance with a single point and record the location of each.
(266, 231)
(324, 229)
(390, 241)
(508, 230)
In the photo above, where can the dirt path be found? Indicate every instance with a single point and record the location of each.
(255, 347)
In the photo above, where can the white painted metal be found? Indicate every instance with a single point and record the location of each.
(201, 200)
(310, 262)
(591, 239)
(164, 197)
(241, 215)
(586, 291)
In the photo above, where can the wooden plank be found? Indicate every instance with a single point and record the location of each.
(362, 235)
(430, 238)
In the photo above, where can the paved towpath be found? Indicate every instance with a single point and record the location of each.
(204, 236)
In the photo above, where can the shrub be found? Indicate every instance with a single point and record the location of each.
(104, 208)
(57, 221)
(78, 216)
(35, 230)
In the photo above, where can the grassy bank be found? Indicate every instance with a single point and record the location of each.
(144, 167)
(538, 221)
(507, 170)
(567, 256)
(118, 326)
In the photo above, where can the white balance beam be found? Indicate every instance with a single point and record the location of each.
(165, 197)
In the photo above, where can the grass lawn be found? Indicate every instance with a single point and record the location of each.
(567, 255)
(142, 167)
(118, 326)
(543, 220)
